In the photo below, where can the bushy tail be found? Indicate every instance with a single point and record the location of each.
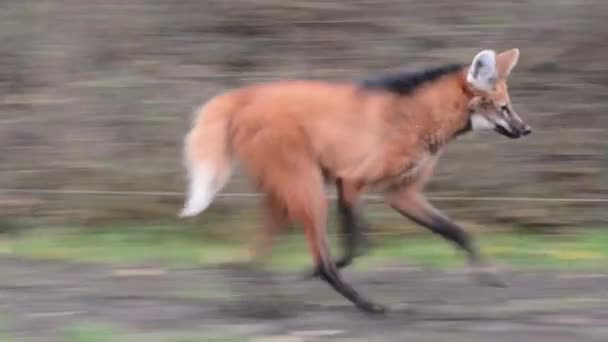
(207, 156)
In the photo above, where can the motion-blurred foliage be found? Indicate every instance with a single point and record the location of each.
(98, 94)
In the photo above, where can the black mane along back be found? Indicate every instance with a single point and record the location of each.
(405, 83)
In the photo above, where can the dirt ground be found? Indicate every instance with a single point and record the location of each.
(39, 299)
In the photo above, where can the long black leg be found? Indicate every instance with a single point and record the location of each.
(415, 207)
(330, 275)
(353, 228)
(353, 231)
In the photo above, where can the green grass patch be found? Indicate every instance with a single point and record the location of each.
(4, 336)
(178, 246)
(122, 246)
(101, 332)
(581, 250)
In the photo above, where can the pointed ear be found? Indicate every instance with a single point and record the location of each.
(482, 74)
(505, 61)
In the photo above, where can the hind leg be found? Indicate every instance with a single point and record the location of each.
(353, 226)
(308, 205)
(260, 293)
(275, 222)
(317, 240)
(282, 166)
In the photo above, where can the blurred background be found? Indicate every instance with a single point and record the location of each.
(96, 97)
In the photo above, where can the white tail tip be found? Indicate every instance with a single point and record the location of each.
(201, 190)
(188, 212)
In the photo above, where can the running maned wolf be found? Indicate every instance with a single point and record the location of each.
(292, 137)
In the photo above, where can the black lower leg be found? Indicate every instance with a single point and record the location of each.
(423, 213)
(453, 233)
(353, 228)
(332, 277)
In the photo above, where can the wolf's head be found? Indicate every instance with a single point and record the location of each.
(490, 108)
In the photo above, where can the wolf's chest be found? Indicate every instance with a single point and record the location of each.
(408, 172)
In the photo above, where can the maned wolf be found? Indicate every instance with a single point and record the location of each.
(292, 137)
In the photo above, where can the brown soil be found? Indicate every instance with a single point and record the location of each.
(40, 299)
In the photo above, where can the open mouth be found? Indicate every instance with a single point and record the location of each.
(506, 132)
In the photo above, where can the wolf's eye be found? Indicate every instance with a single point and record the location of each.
(504, 109)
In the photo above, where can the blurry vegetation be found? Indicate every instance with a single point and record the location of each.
(187, 246)
(98, 332)
(98, 95)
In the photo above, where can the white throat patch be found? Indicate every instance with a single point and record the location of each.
(480, 123)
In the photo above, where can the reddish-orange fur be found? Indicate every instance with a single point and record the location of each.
(292, 136)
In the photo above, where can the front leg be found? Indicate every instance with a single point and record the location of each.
(414, 206)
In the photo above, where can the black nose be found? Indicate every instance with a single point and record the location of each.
(527, 130)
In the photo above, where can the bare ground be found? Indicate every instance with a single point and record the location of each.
(39, 299)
